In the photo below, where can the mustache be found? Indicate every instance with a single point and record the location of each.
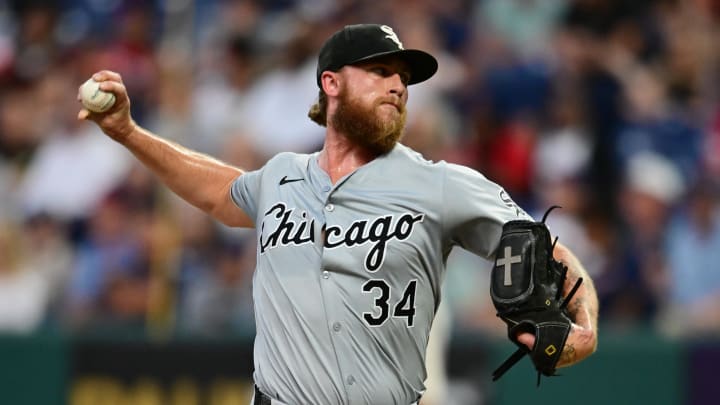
(391, 100)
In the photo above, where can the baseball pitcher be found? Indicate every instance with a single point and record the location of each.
(352, 240)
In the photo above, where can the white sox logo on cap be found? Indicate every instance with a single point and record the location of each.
(391, 35)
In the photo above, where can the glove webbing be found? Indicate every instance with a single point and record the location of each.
(522, 351)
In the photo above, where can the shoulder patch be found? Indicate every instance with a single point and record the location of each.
(505, 198)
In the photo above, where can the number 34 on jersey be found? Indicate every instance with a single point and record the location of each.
(403, 308)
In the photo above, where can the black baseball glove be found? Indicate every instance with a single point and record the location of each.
(526, 288)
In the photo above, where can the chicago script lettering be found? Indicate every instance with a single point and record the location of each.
(278, 229)
(379, 233)
(287, 231)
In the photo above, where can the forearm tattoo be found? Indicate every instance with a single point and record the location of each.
(583, 307)
(575, 305)
(568, 355)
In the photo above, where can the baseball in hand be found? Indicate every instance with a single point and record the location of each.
(95, 99)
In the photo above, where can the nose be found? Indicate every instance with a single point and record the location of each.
(397, 87)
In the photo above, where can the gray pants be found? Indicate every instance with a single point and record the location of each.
(265, 400)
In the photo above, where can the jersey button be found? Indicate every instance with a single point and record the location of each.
(329, 207)
(350, 380)
(326, 188)
(337, 327)
(326, 275)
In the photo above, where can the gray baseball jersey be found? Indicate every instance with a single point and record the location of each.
(349, 275)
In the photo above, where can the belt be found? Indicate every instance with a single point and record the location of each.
(261, 399)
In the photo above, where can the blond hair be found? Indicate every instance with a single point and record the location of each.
(318, 111)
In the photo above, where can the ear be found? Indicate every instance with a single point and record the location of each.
(330, 82)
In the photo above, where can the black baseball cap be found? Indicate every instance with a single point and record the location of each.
(362, 42)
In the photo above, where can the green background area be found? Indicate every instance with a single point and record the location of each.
(633, 368)
(33, 371)
(628, 368)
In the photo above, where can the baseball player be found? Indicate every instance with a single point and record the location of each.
(352, 239)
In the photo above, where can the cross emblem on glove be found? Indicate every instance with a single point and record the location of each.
(507, 261)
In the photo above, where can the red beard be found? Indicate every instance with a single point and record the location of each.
(365, 126)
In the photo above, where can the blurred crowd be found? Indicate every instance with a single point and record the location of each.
(608, 108)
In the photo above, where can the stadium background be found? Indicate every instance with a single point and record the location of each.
(112, 291)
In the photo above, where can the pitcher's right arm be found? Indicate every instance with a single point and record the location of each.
(201, 180)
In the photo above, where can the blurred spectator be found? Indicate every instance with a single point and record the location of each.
(525, 25)
(631, 290)
(509, 158)
(654, 126)
(290, 87)
(693, 246)
(564, 146)
(219, 302)
(220, 105)
(71, 172)
(192, 252)
(173, 114)
(131, 51)
(19, 132)
(109, 285)
(206, 262)
(47, 251)
(36, 47)
(24, 292)
(560, 164)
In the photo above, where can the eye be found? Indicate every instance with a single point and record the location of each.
(380, 71)
(384, 71)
